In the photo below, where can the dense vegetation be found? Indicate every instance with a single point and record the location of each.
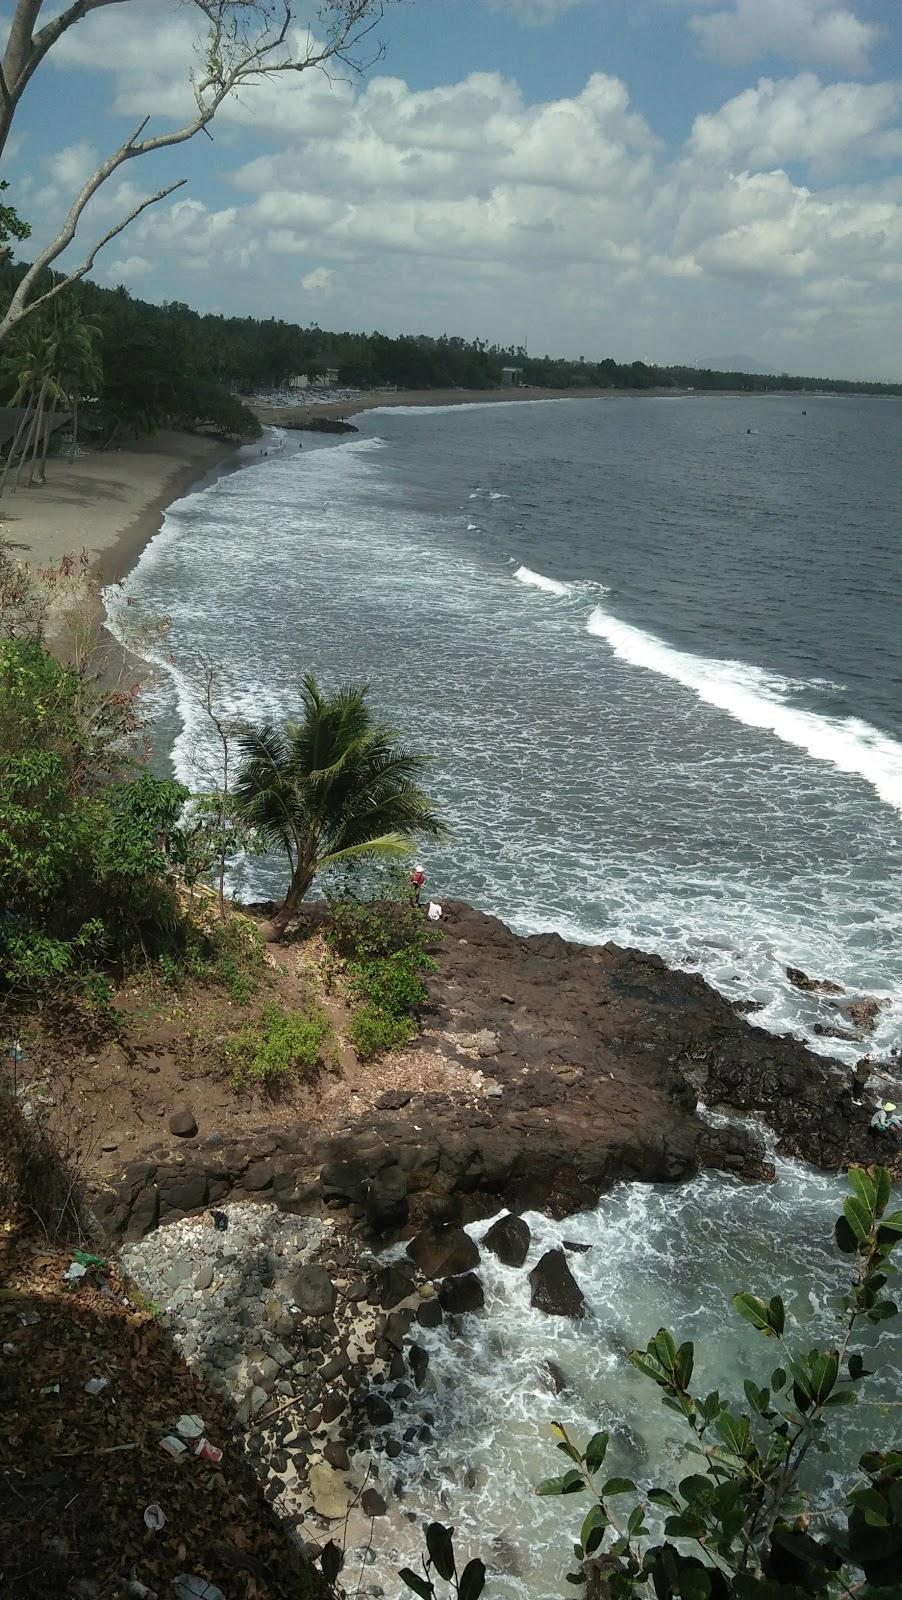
(170, 366)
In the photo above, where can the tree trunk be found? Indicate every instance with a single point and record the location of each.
(23, 454)
(43, 477)
(301, 879)
(36, 437)
(75, 429)
(11, 453)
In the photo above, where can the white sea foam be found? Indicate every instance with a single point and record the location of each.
(755, 697)
(535, 580)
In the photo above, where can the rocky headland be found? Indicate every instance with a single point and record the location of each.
(553, 1070)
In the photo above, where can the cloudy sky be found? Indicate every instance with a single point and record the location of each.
(668, 179)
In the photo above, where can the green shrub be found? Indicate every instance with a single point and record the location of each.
(228, 953)
(371, 1031)
(393, 984)
(281, 1046)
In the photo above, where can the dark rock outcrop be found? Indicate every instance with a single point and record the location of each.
(442, 1252)
(554, 1288)
(509, 1239)
(460, 1294)
(603, 1054)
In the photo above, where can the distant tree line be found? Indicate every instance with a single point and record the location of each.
(152, 366)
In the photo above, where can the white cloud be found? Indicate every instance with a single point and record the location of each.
(319, 281)
(799, 120)
(127, 268)
(806, 31)
(466, 207)
(534, 13)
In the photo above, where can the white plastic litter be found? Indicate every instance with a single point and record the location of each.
(174, 1447)
(190, 1426)
(154, 1517)
(190, 1586)
(96, 1385)
(435, 911)
(74, 1271)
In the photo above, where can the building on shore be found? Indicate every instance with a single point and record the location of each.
(512, 378)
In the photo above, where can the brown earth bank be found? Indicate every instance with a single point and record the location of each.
(545, 1072)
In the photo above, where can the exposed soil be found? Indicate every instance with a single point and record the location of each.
(78, 1470)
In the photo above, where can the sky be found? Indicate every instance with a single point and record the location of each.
(668, 180)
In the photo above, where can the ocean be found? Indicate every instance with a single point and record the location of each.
(652, 649)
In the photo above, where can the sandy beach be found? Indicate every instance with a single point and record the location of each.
(109, 503)
(371, 400)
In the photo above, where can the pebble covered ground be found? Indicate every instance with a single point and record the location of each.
(312, 1342)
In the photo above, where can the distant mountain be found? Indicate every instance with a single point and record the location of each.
(737, 363)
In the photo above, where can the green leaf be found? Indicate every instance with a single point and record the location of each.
(865, 1190)
(694, 1584)
(664, 1348)
(419, 1585)
(824, 1372)
(758, 1399)
(570, 1451)
(596, 1451)
(845, 1238)
(634, 1522)
(683, 1364)
(882, 1310)
(684, 1527)
(858, 1217)
(856, 1366)
(754, 1310)
(440, 1544)
(776, 1313)
(593, 1528)
(573, 1483)
(550, 1486)
(660, 1497)
(619, 1486)
(842, 1397)
(649, 1366)
(883, 1188)
(472, 1581)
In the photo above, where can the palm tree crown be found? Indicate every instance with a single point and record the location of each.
(331, 787)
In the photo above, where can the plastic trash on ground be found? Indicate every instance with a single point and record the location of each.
(191, 1586)
(434, 912)
(74, 1271)
(190, 1426)
(96, 1385)
(85, 1259)
(50, 1388)
(208, 1452)
(174, 1447)
(154, 1517)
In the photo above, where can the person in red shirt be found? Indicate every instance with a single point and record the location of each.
(417, 879)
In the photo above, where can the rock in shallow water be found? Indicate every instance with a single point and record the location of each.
(443, 1252)
(462, 1293)
(509, 1239)
(554, 1288)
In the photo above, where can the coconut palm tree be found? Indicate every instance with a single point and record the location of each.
(332, 787)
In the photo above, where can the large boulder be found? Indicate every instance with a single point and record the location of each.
(443, 1252)
(311, 1289)
(462, 1293)
(386, 1200)
(509, 1239)
(330, 1494)
(554, 1288)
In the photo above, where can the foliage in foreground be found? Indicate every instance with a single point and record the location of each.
(745, 1525)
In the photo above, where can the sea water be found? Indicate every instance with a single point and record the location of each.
(652, 650)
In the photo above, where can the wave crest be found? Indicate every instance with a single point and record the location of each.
(755, 697)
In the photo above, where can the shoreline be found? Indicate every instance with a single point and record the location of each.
(300, 415)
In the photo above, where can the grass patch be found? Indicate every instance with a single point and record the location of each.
(282, 1046)
(383, 948)
(226, 953)
(372, 1031)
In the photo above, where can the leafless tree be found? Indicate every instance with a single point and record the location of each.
(246, 43)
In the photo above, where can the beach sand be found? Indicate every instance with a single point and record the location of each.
(109, 503)
(297, 416)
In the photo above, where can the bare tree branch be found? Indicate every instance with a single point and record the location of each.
(248, 42)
